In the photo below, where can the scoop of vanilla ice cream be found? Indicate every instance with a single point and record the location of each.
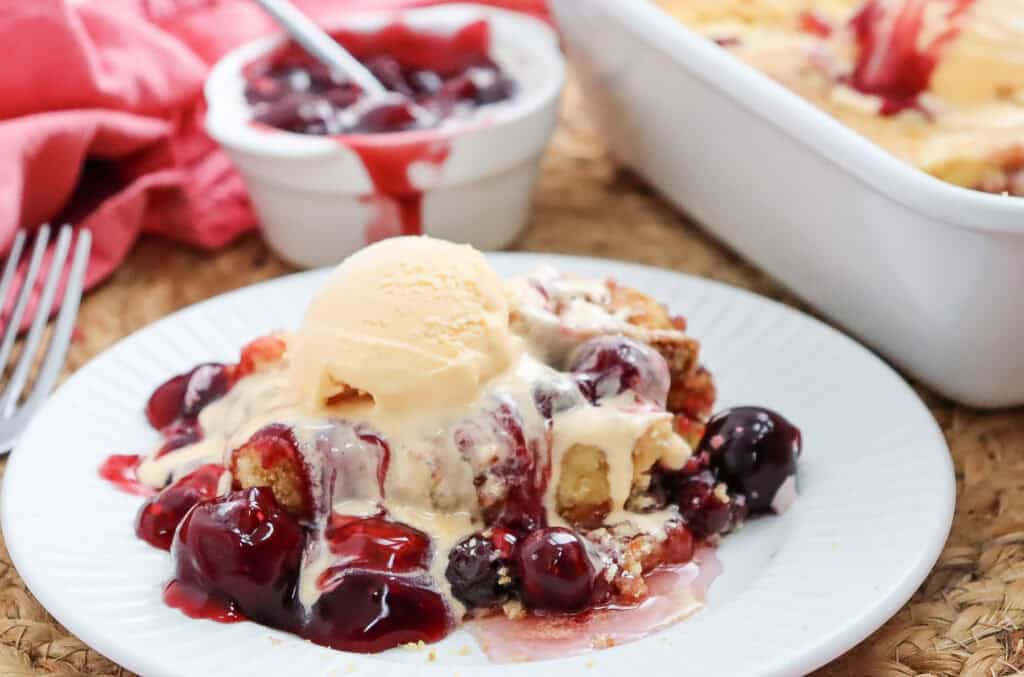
(409, 322)
(985, 60)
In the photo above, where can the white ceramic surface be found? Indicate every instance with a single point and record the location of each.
(929, 273)
(876, 501)
(311, 193)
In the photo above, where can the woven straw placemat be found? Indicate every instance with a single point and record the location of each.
(966, 618)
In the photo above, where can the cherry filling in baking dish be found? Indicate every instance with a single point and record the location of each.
(447, 75)
(526, 518)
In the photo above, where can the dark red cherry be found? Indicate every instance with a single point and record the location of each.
(480, 568)
(184, 396)
(390, 74)
(555, 572)
(370, 612)
(459, 88)
(491, 84)
(602, 592)
(609, 365)
(344, 96)
(161, 514)
(264, 87)
(376, 543)
(755, 451)
(301, 112)
(707, 513)
(425, 82)
(316, 77)
(394, 116)
(164, 405)
(245, 549)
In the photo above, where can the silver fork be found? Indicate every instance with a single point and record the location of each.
(14, 418)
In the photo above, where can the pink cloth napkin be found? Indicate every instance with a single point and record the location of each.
(101, 117)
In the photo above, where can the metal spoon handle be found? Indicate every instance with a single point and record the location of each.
(321, 45)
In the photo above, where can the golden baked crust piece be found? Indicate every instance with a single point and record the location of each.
(283, 476)
(641, 309)
(270, 458)
(583, 495)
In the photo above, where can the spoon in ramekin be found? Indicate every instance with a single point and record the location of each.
(329, 52)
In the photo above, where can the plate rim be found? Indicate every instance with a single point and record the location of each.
(814, 655)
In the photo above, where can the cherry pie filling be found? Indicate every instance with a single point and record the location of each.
(448, 76)
(259, 537)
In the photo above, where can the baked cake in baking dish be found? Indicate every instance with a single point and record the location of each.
(938, 83)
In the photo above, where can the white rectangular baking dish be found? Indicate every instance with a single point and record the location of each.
(930, 274)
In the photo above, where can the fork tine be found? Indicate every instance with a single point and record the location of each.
(14, 321)
(65, 324)
(12, 265)
(9, 398)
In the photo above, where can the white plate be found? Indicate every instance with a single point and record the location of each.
(876, 484)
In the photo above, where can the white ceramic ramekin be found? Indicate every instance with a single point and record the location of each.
(930, 274)
(314, 198)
